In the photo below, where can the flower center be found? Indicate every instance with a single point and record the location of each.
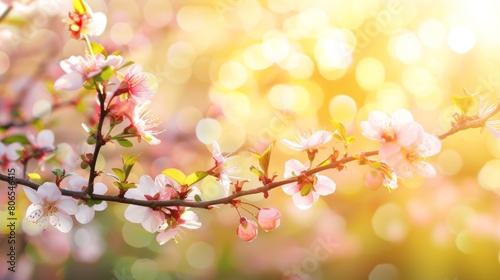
(388, 135)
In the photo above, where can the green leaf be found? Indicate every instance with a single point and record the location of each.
(84, 165)
(98, 48)
(119, 173)
(257, 171)
(91, 140)
(58, 172)
(195, 177)
(265, 157)
(306, 189)
(197, 198)
(350, 139)
(325, 162)
(340, 128)
(124, 186)
(18, 138)
(106, 74)
(124, 143)
(92, 202)
(175, 174)
(463, 103)
(128, 63)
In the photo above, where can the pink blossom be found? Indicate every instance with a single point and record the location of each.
(147, 189)
(80, 69)
(224, 168)
(136, 82)
(398, 130)
(50, 207)
(85, 212)
(412, 158)
(168, 231)
(268, 218)
(144, 124)
(306, 191)
(43, 141)
(9, 154)
(247, 230)
(82, 23)
(308, 142)
(374, 179)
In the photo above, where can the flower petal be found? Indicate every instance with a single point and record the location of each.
(85, 214)
(49, 191)
(135, 214)
(424, 169)
(190, 220)
(164, 237)
(293, 168)
(319, 138)
(388, 149)
(292, 145)
(11, 151)
(32, 195)
(324, 185)
(291, 188)
(61, 221)
(101, 206)
(304, 202)
(100, 188)
(410, 133)
(34, 212)
(68, 205)
(45, 139)
(429, 146)
(77, 183)
(98, 24)
(70, 81)
(153, 220)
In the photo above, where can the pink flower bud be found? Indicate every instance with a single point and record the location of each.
(374, 179)
(268, 218)
(247, 230)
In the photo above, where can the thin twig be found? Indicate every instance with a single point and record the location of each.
(6, 13)
(194, 204)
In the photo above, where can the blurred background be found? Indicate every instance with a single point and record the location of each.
(244, 73)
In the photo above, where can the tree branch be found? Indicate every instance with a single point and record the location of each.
(472, 123)
(194, 204)
(5, 13)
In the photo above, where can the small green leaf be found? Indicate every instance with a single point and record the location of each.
(340, 128)
(195, 177)
(92, 202)
(119, 173)
(197, 198)
(98, 48)
(306, 189)
(58, 172)
(18, 138)
(350, 139)
(257, 172)
(265, 157)
(124, 186)
(34, 176)
(106, 74)
(91, 140)
(124, 143)
(84, 165)
(125, 65)
(175, 174)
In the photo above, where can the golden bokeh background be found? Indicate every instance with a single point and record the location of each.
(245, 73)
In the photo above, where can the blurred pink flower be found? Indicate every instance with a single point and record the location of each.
(9, 154)
(136, 82)
(80, 69)
(81, 23)
(224, 168)
(307, 190)
(50, 207)
(86, 213)
(247, 230)
(398, 130)
(307, 142)
(43, 141)
(143, 124)
(268, 218)
(374, 179)
(413, 157)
